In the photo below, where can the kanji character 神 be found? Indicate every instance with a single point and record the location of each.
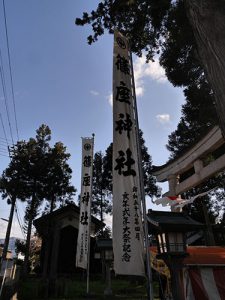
(124, 124)
(86, 198)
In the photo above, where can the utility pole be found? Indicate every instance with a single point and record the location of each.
(8, 231)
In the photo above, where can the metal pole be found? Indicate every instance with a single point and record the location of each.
(148, 262)
(88, 269)
(89, 224)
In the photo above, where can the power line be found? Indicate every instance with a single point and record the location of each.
(5, 94)
(3, 127)
(5, 137)
(4, 148)
(10, 70)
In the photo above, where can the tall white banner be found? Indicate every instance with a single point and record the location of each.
(83, 240)
(127, 222)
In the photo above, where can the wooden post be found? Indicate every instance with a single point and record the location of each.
(142, 190)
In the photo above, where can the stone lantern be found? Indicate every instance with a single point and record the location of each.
(170, 230)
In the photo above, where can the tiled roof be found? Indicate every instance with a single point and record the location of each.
(167, 221)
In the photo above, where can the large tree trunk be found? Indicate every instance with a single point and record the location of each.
(207, 18)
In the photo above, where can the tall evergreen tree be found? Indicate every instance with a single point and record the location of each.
(12, 186)
(37, 172)
(57, 179)
(31, 163)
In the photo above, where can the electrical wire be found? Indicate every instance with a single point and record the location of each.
(5, 94)
(3, 127)
(10, 69)
(4, 149)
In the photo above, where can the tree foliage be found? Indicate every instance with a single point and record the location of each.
(162, 28)
(190, 49)
(140, 20)
(102, 185)
(58, 176)
(35, 173)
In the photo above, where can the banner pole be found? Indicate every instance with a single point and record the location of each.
(89, 237)
(148, 262)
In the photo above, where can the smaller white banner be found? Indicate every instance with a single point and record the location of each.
(83, 239)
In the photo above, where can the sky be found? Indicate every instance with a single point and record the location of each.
(61, 81)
